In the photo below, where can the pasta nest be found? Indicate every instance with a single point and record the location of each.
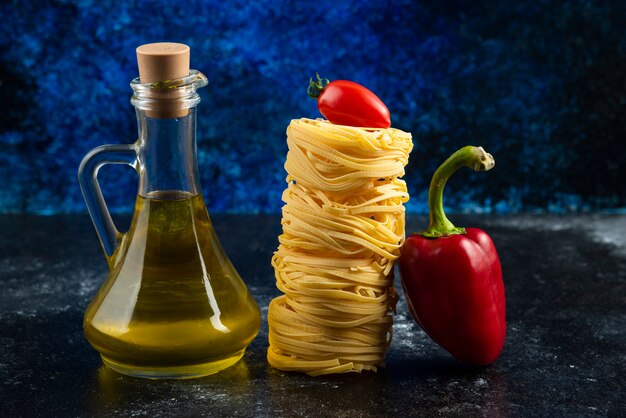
(343, 226)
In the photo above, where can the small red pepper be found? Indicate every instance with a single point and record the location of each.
(452, 276)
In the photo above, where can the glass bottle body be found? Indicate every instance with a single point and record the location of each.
(173, 305)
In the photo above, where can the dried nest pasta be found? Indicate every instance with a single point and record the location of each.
(343, 225)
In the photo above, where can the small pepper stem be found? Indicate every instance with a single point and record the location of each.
(475, 158)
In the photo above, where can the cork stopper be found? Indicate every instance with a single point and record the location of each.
(163, 61)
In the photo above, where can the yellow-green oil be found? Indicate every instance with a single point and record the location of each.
(173, 306)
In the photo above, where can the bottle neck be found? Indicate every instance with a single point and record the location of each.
(167, 154)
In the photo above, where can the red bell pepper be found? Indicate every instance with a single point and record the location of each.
(452, 276)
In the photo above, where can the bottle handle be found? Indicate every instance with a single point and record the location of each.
(109, 235)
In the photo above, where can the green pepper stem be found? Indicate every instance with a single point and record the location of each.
(475, 158)
(315, 87)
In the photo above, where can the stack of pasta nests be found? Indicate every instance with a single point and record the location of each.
(343, 225)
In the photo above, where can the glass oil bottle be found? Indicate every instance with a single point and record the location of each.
(173, 305)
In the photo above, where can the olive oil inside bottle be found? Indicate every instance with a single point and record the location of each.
(173, 304)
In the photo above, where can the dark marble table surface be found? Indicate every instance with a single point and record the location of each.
(565, 352)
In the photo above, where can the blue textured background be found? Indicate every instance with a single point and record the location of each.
(540, 84)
